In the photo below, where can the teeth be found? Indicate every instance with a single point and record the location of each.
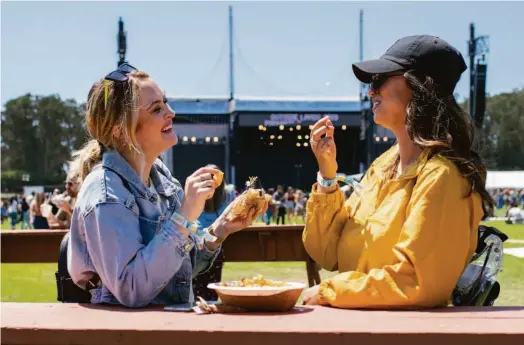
(165, 129)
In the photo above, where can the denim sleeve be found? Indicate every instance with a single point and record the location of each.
(134, 273)
(204, 257)
(204, 260)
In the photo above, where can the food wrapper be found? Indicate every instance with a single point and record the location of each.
(252, 198)
(202, 307)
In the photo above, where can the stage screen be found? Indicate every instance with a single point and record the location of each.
(276, 148)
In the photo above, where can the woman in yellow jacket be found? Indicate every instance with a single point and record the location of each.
(405, 239)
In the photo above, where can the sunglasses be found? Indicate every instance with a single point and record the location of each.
(119, 75)
(378, 80)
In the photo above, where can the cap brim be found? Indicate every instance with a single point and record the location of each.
(365, 70)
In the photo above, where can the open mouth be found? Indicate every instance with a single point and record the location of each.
(167, 128)
(376, 104)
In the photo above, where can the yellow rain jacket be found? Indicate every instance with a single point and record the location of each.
(403, 243)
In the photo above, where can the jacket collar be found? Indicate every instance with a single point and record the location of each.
(162, 180)
(114, 161)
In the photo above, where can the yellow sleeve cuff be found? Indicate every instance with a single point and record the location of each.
(335, 197)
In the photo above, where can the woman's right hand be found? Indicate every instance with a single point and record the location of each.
(199, 187)
(324, 148)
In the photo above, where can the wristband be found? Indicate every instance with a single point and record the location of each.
(179, 219)
(326, 183)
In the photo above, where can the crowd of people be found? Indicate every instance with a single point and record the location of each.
(513, 201)
(287, 206)
(41, 210)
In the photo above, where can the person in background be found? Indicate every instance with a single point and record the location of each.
(12, 210)
(279, 199)
(271, 208)
(65, 203)
(213, 208)
(500, 198)
(300, 205)
(35, 212)
(290, 205)
(29, 198)
(5, 206)
(24, 214)
(50, 198)
(515, 214)
(406, 239)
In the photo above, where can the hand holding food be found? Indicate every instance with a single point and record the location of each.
(199, 187)
(253, 198)
(245, 209)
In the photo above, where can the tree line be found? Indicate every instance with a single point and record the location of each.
(38, 136)
(40, 132)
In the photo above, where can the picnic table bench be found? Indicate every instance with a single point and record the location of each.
(40, 323)
(266, 243)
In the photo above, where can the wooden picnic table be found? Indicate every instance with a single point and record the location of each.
(40, 323)
(266, 243)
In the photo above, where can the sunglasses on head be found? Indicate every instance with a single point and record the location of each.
(118, 75)
(378, 80)
(121, 73)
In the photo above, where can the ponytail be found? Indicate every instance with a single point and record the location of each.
(85, 159)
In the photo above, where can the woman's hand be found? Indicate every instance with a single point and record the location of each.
(311, 295)
(66, 207)
(324, 148)
(222, 227)
(199, 187)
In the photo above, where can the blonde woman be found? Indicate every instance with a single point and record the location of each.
(131, 240)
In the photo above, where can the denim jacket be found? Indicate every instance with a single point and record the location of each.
(119, 232)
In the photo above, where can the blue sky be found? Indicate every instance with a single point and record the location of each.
(290, 49)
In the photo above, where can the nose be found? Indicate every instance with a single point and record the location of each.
(170, 113)
(371, 92)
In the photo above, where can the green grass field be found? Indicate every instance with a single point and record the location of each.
(36, 282)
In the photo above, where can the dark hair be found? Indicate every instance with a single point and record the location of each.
(213, 205)
(436, 122)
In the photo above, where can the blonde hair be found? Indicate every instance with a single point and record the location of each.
(120, 115)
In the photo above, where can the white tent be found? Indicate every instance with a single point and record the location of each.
(505, 179)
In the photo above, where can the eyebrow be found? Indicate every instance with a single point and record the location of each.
(152, 104)
(164, 99)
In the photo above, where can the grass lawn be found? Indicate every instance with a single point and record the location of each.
(36, 282)
(6, 225)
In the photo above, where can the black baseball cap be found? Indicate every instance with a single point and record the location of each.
(427, 54)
